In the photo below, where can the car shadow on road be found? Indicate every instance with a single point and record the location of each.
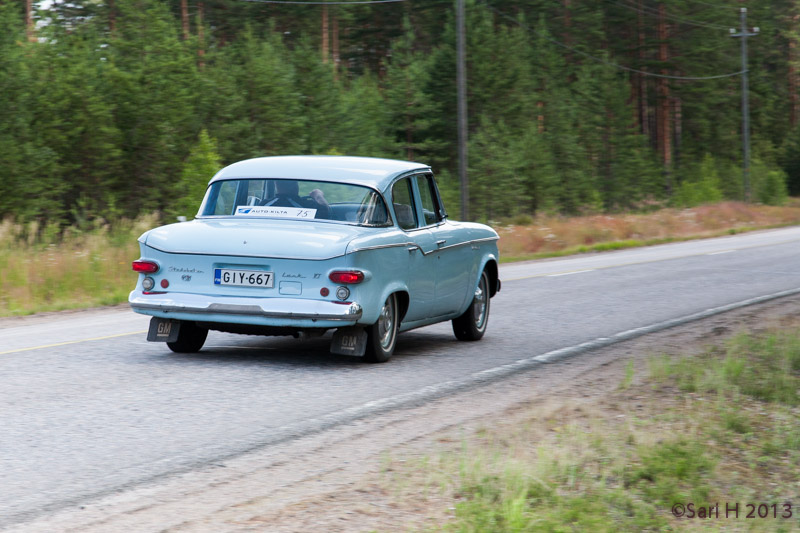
(307, 353)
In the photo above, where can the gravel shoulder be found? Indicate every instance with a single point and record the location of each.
(335, 480)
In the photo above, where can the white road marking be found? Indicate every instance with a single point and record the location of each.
(722, 252)
(17, 350)
(570, 273)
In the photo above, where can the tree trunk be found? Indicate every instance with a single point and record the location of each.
(644, 108)
(664, 115)
(325, 37)
(29, 20)
(568, 31)
(678, 127)
(793, 96)
(335, 45)
(201, 36)
(540, 116)
(112, 17)
(185, 19)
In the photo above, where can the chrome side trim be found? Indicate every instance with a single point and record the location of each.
(411, 245)
(381, 247)
(474, 241)
(485, 239)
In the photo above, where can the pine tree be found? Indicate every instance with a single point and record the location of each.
(153, 78)
(30, 186)
(200, 166)
(410, 107)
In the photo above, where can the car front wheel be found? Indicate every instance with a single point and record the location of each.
(472, 324)
(382, 335)
(191, 338)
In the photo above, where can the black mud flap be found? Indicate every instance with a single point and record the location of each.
(163, 330)
(349, 341)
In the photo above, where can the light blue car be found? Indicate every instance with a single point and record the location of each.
(300, 245)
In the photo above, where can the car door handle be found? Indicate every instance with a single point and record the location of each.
(413, 247)
(439, 243)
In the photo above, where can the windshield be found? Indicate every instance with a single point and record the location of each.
(295, 199)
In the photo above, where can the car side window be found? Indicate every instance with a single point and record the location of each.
(226, 199)
(403, 200)
(429, 201)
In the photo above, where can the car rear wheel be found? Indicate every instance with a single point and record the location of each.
(472, 324)
(382, 335)
(191, 338)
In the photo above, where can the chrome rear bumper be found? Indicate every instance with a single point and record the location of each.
(268, 311)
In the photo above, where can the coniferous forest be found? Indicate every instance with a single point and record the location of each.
(112, 108)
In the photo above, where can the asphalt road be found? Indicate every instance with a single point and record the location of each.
(89, 407)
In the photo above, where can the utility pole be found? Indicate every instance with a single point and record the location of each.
(744, 34)
(461, 82)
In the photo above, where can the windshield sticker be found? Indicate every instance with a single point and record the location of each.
(272, 211)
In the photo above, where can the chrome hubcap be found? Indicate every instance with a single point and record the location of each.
(386, 324)
(479, 304)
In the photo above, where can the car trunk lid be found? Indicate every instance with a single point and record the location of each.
(254, 238)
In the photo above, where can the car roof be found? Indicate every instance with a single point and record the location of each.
(369, 171)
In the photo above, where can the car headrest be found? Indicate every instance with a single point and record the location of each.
(405, 216)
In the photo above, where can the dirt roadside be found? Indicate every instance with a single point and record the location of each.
(334, 481)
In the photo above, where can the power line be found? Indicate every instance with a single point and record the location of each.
(609, 63)
(717, 6)
(321, 3)
(650, 11)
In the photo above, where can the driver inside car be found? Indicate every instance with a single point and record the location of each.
(287, 194)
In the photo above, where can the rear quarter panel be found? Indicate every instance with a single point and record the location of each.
(483, 248)
(384, 255)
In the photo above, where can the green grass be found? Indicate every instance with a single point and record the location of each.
(720, 427)
(47, 269)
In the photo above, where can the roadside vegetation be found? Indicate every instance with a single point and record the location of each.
(524, 237)
(47, 268)
(719, 428)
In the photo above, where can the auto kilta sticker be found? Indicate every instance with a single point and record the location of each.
(280, 212)
(163, 330)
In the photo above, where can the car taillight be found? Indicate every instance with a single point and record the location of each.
(347, 276)
(145, 267)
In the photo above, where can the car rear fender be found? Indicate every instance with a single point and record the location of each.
(372, 312)
(489, 264)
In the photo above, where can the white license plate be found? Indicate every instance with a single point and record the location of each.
(244, 278)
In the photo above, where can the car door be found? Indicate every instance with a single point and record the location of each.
(421, 276)
(453, 262)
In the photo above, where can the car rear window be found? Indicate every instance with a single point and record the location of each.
(295, 199)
